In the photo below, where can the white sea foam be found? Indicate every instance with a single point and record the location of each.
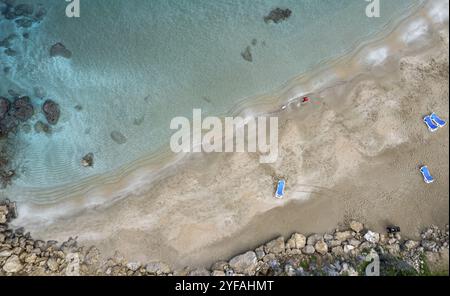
(438, 11)
(415, 31)
(377, 56)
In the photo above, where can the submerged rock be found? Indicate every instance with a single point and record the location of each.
(278, 15)
(8, 124)
(5, 104)
(10, 52)
(22, 109)
(6, 42)
(23, 9)
(24, 22)
(13, 93)
(40, 13)
(247, 54)
(51, 112)
(60, 50)
(88, 160)
(118, 137)
(41, 127)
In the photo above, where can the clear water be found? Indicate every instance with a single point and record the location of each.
(141, 61)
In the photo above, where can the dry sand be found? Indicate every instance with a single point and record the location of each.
(353, 153)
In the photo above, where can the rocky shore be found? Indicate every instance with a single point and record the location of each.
(343, 252)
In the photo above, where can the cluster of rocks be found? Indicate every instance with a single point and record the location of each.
(6, 171)
(24, 16)
(341, 253)
(20, 254)
(20, 109)
(17, 112)
(247, 54)
(276, 16)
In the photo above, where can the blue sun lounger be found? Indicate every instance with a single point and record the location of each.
(426, 175)
(280, 189)
(431, 125)
(438, 121)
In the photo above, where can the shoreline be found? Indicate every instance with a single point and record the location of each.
(335, 148)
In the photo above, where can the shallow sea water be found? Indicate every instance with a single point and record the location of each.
(136, 64)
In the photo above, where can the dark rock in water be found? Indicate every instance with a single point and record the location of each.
(118, 137)
(139, 121)
(278, 15)
(41, 127)
(88, 160)
(8, 124)
(10, 52)
(26, 35)
(5, 104)
(23, 9)
(24, 22)
(40, 13)
(26, 128)
(13, 93)
(51, 112)
(78, 107)
(6, 42)
(254, 42)
(22, 109)
(247, 54)
(60, 50)
(9, 2)
(6, 70)
(10, 15)
(8, 10)
(6, 177)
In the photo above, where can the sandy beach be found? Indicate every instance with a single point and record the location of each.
(353, 152)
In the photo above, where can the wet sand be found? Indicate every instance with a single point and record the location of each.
(354, 152)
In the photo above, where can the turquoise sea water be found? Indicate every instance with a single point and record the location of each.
(136, 64)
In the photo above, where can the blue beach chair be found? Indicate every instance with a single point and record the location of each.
(438, 121)
(426, 175)
(431, 125)
(280, 189)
